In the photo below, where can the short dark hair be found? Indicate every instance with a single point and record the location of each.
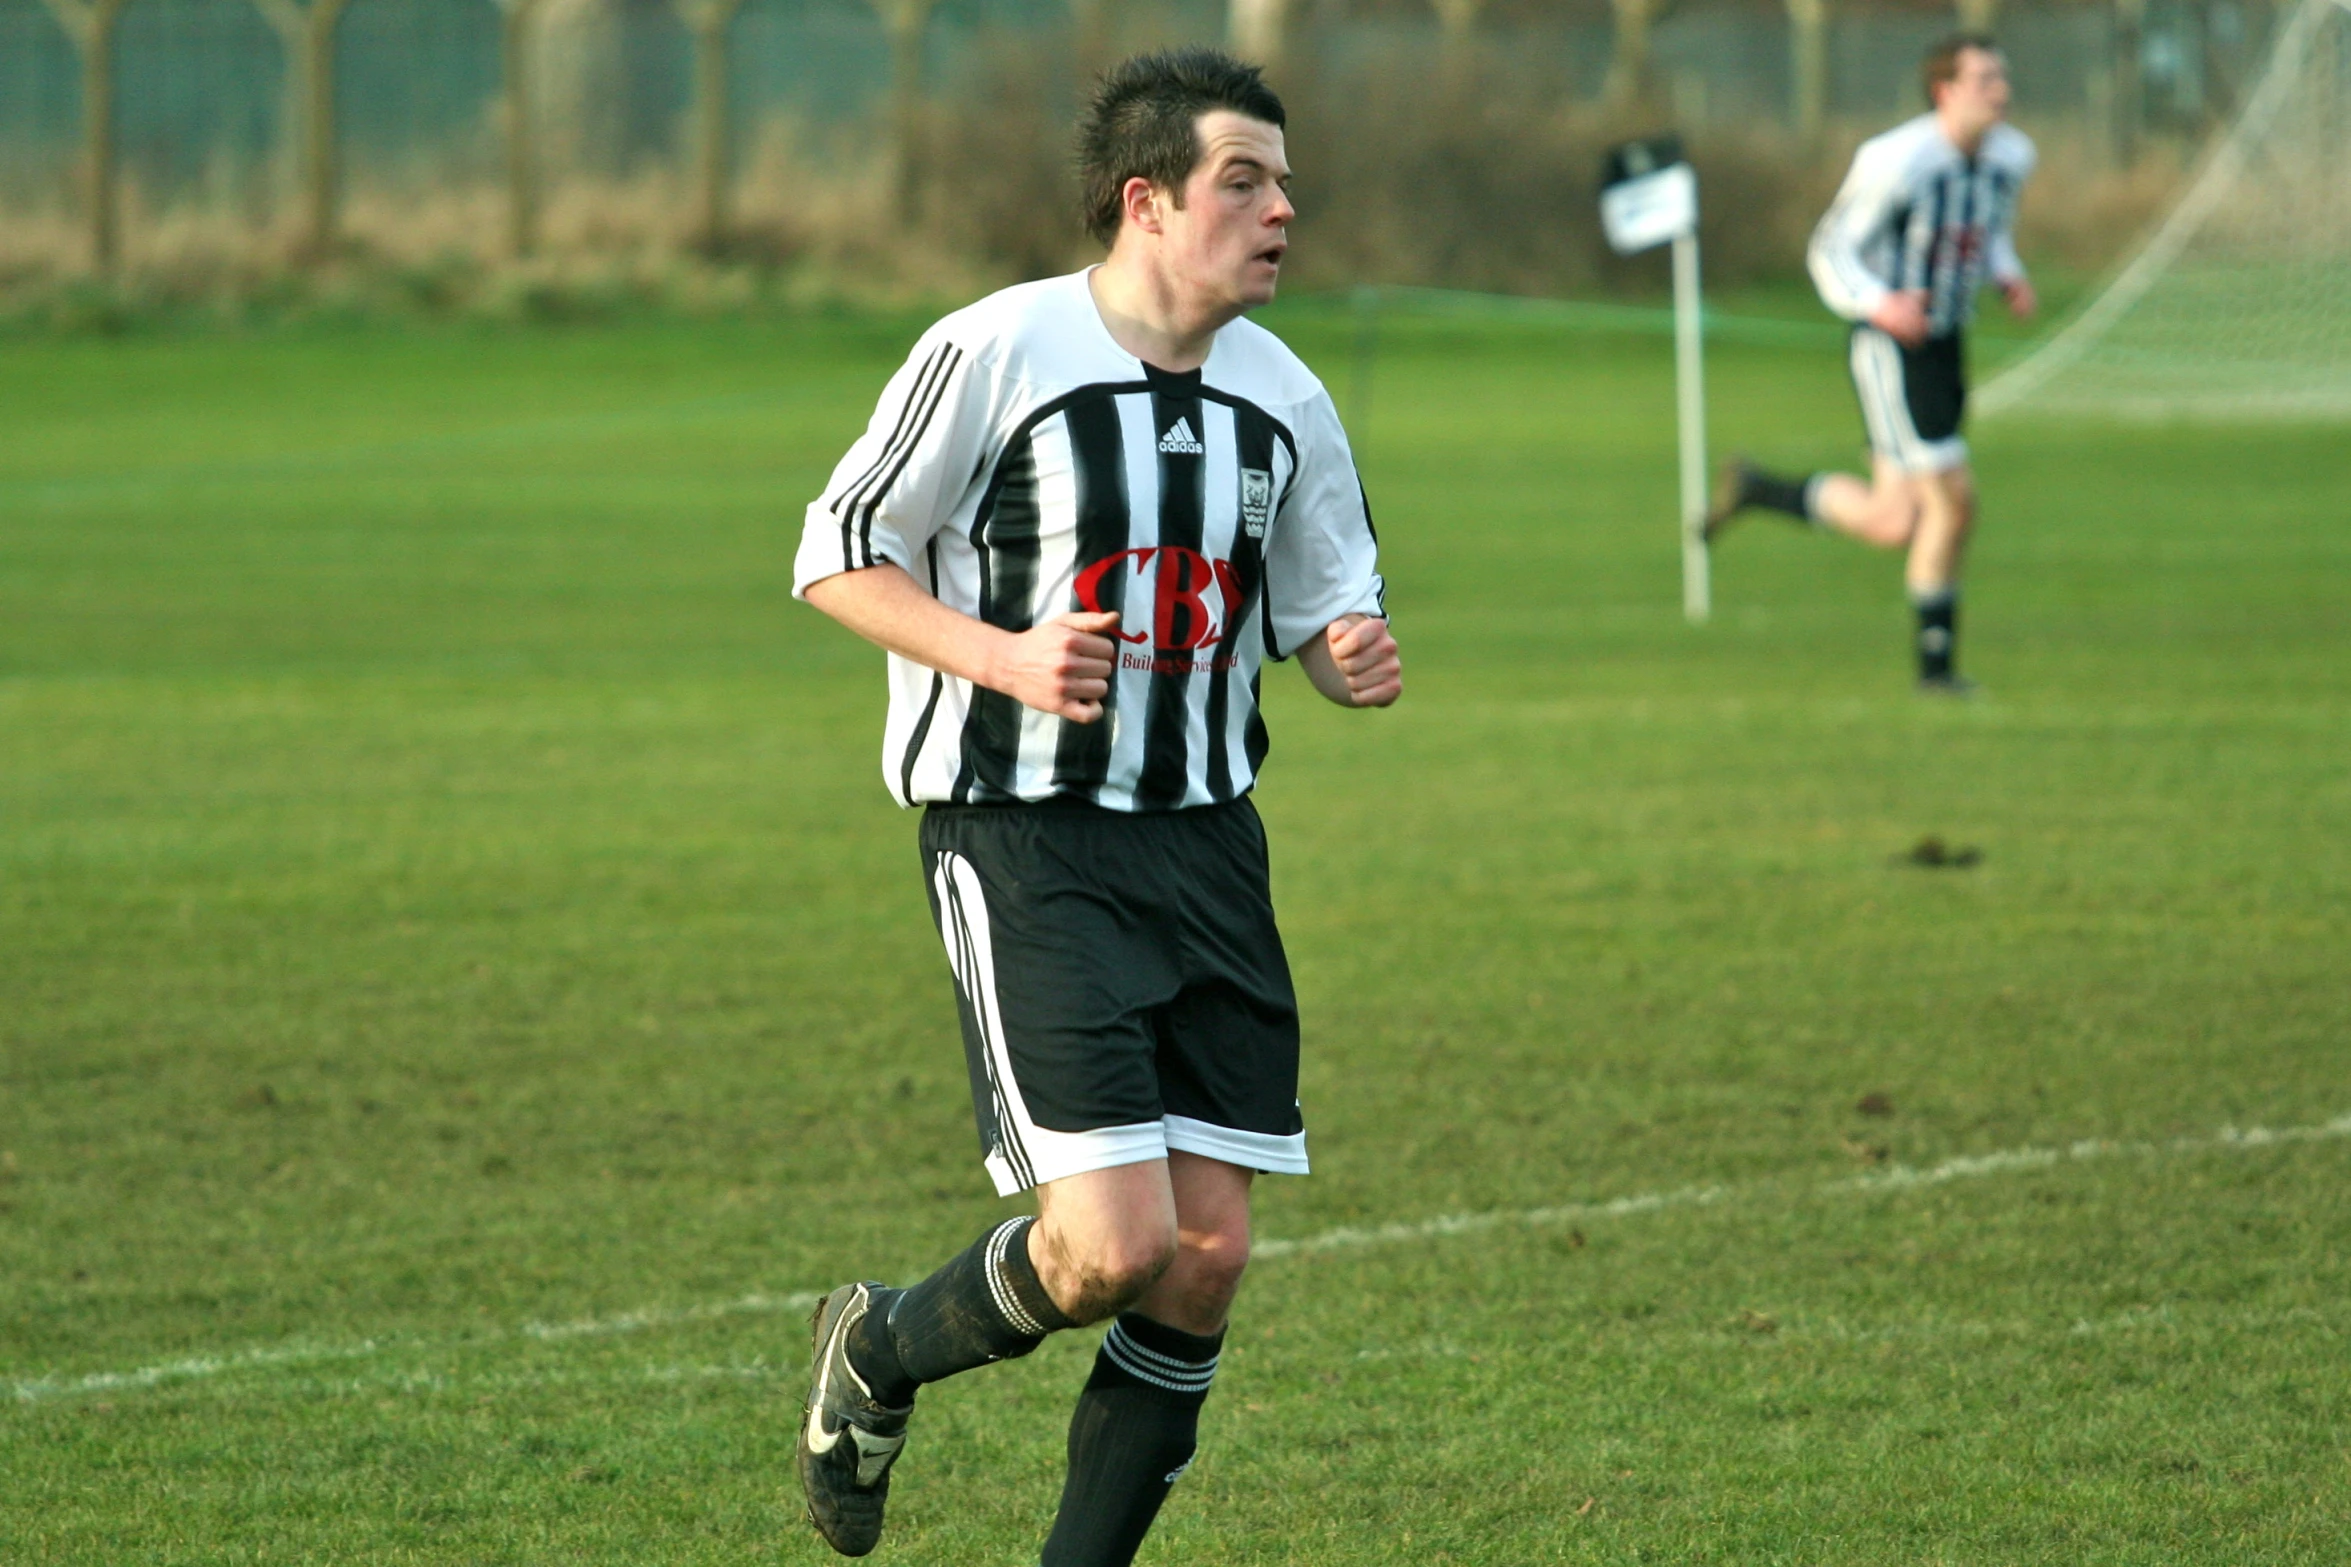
(1942, 62)
(1144, 124)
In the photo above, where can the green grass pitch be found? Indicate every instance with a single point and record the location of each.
(462, 983)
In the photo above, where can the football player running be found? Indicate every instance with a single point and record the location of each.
(1086, 513)
(1925, 217)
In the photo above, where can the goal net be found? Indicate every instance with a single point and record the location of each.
(2239, 304)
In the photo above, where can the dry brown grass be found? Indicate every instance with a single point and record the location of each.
(1481, 176)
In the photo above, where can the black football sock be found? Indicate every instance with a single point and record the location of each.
(1133, 1434)
(1938, 631)
(1775, 493)
(987, 1304)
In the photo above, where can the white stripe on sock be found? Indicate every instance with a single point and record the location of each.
(1000, 1282)
(1164, 1371)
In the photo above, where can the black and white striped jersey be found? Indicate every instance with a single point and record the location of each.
(1917, 213)
(1022, 465)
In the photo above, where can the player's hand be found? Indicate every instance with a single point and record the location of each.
(1061, 667)
(1366, 656)
(2022, 301)
(1902, 316)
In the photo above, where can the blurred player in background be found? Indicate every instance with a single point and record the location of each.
(1085, 514)
(1926, 215)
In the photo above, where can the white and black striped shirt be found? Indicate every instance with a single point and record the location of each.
(1917, 213)
(1022, 465)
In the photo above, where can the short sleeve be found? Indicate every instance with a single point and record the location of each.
(1322, 558)
(902, 478)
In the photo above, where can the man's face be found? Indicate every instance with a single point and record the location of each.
(1977, 98)
(1227, 239)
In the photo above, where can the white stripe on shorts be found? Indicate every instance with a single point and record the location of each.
(1885, 409)
(1026, 1154)
(1267, 1151)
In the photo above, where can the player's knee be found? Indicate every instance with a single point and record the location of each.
(1214, 1260)
(1125, 1264)
(1896, 520)
(1095, 1271)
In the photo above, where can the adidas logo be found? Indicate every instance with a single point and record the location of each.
(1180, 441)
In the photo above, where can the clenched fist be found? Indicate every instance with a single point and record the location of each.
(1363, 657)
(1061, 666)
(1902, 316)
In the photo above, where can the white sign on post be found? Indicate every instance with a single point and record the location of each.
(1649, 197)
(1650, 209)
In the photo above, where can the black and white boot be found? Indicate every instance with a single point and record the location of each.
(1734, 492)
(847, 1481)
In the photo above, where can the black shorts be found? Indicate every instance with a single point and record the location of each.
(1122, 987)
(1912, 399)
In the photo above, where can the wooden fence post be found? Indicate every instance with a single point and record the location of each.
(1091, 41)
(1808, 68)
(711, 22)
(91, 25)
(1257, 30)
(1631, 75)
(905, 22)
(2129, 105)
(1457, 21)
(522, 164)
(308, 32)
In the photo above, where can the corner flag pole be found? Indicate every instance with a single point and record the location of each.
(1649, 196)
(1689, 364)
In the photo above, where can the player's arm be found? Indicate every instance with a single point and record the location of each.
(888, 499)
(2008, 273)
(1061, 667)
(2006, 266)
(1847, 286)
(1354, 662)
(2016, 288)
(1323, 587)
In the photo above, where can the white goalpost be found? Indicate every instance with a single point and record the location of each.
(2239, 304)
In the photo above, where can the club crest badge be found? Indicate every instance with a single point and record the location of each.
(1256, 501)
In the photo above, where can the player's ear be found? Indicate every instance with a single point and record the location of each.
(1139, 200)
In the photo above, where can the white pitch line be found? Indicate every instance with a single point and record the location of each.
(2227, 1139)
(1893, 1178)
(1346, 1238)
(198, 1367)
(192, 1368)
(638, 1321)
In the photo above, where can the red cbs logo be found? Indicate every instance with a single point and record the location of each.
(1181, 619)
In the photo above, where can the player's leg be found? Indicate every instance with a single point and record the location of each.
(1934, 383)
(1227, 1066)
(1053, 996)
(874, 1347)
(1137, 1422)
(1946, 518)
(1881, 510)
(1101, 1238)
(1104, 1237)
(1055, 991)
